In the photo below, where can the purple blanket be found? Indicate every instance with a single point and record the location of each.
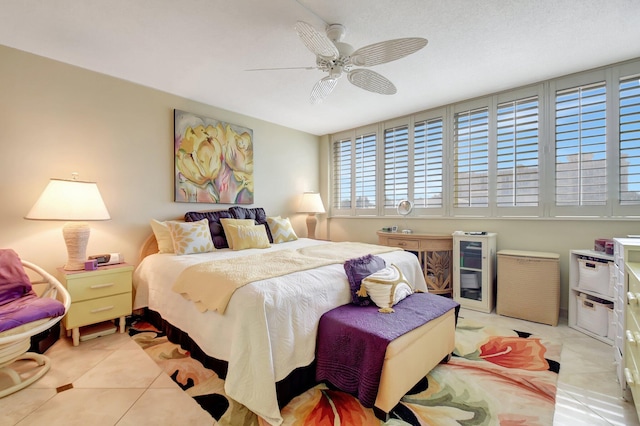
(352, 341)
(19, 304)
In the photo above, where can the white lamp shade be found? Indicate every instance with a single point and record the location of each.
(311, 203)
(69, 200)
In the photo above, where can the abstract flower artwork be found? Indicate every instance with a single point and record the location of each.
(213, 160)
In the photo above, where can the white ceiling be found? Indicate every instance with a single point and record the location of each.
(200, 49)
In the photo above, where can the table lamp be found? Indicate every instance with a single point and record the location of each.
(311, 203)
(74, 201)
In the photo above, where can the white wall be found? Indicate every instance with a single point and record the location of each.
(56, 119)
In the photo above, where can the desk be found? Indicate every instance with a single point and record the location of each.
(435, 252)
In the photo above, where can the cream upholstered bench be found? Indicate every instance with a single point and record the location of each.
(347, 332)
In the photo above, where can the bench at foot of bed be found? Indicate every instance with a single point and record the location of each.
(407, 358)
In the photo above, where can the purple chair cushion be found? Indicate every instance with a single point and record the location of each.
(28, 308)
(359, 268)
(217, 233)
(14, 282)
(256, 214)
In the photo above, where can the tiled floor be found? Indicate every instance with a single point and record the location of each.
(115, 383)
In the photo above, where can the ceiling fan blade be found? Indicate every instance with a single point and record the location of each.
(286, 68)
(371, 81)
(322, 89)
(387, 51)
(316, 42)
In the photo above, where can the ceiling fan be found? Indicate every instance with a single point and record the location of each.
(337, 58)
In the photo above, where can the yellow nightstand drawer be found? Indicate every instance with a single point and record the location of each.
(98, 310)
(96, 286)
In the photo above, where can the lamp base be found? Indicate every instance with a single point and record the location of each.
(76, 237)
(311, 225)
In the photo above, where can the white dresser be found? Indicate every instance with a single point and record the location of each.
(626, 250)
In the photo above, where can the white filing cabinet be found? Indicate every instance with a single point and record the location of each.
(474, 270)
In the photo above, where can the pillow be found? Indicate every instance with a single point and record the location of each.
(359, 268)
(191, 237)
(163, 236)
(217, 232)
(246, 237)
(281, 230)
(256, 214)
(386, 287)
(14, 282)
(225, 225)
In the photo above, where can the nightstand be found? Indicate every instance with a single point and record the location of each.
(97, 296)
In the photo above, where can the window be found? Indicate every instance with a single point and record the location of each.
(428, 163)
(517, 168)
(580, 151)
(471, 158)
(630, 141)
(566, 147)
(341, 175)
(396, 165)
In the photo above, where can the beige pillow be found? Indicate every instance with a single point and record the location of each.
(386, 287)
(163, 236)
(191, 237)
(281, 229)
(246, 237)
(226, 222)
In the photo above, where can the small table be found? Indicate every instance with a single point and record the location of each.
(97, 296)
(435, 252)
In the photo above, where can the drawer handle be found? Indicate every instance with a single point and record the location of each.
(107, 308)
(629, 376)
(102, 285)
(402, 244)
(630, 338)
(632, 298)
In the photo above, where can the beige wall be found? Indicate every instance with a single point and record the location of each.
(56, 119)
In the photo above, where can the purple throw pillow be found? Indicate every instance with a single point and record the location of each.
(359, 268)
(217, 232)
(258, 214)
(14, 282)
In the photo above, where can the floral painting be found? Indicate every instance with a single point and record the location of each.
(213, 160)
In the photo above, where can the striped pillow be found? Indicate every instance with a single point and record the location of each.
(281, 229)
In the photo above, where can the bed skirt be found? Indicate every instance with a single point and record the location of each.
(298, 381)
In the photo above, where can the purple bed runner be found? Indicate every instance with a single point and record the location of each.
(352, 341)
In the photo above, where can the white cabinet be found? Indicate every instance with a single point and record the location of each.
(474, 270)
(626, 250)
(596, 279)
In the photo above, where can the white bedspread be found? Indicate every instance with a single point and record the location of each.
(267, 330)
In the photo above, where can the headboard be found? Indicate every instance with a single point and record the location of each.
(150, 246)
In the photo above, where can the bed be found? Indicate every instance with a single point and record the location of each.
(268, 330)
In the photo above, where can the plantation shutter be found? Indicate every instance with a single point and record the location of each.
(365, 171)
(630, 141)
(471, 158)
(396, 165)
(580, 152)
(342, 161)
(428, 163)
(517, 155)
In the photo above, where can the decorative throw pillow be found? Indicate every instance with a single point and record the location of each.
(225, 225)
(190, 237)
(386, 288)
(358, 268)
(163, 236)
(217, 232)
(246, 237)
(256, 213)
(281, 229)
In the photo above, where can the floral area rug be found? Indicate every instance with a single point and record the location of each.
(497, 376)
